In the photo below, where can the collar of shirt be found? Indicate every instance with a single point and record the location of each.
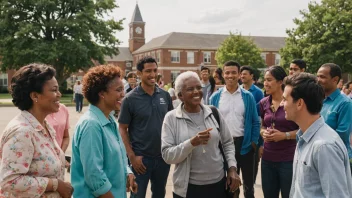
(141, 91)
(307, 136)
(237, 91)
(334, 94)
(34, 122)
(102, 119)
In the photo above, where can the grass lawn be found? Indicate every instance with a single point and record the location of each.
(5, 96)
(65, 98)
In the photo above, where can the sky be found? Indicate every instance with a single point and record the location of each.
(250, 17)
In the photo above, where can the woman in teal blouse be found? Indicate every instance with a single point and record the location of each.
(99, 164)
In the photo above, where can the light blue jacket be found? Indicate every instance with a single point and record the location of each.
(251, 119)
(99, 161)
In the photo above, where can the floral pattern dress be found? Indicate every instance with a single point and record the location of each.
(29, 156)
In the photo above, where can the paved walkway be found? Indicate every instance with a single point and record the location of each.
(7, 113)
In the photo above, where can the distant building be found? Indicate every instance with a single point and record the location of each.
(175, 52)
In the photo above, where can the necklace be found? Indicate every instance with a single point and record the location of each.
(197, 126)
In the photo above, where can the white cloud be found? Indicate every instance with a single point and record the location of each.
(254, 17)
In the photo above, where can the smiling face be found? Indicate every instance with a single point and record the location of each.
(217, 78)
(204, 74)
(148, 74)
(325, 80)
(271, 85)
(231, 75)
(290, 106)
(295, 69)
(113, 95)
(246, 76)
(132, 80)
(49, 100)
(191, 93)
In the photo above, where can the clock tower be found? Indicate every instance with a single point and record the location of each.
(136, 28)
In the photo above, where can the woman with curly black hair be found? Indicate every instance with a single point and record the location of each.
(99, 162)
(32, 163)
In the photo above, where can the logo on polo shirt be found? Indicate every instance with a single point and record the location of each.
(162, 101)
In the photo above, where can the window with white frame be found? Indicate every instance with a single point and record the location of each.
(153, 54)
(174, 75)
(263, 56)
(277, 59)
(190, 57)
(175, 56)
(207, 57)
(3, 79)
(158, 56)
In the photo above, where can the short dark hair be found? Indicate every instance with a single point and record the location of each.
(306, 86)
(248, 68)
(300, 63)
(205, 68)
(233, 63)
(97, 79)
(144, 60)
(335, 70)
(28, 79)
(278, 73)
(131, 75)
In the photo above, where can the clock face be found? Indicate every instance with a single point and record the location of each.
(138, 30)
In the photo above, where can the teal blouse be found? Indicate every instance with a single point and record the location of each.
(99, 162)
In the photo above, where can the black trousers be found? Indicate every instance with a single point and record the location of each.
(205, 191)
(245, 164)
(256, 163)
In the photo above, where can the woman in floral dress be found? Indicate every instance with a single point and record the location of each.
(31, 161)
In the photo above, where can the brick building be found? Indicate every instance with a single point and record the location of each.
(175, 52)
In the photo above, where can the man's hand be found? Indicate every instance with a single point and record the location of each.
(233, 180)
(254, 146)
(138, 165)
(261, 151)
(131, 184)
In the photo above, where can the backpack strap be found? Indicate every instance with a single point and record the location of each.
(216, 115)
(217, 118)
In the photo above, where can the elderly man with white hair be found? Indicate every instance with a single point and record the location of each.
(190, 139)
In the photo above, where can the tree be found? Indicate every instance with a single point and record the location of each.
(323, 34)
(241, 49)
(67, 34)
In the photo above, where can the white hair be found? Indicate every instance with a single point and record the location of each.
(180, 80)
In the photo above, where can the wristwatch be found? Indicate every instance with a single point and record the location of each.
(55, 184)
(288, 135)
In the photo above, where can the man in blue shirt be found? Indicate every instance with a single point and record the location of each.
(337, 108)
(247, 78)
(321, 165)
(142, 114)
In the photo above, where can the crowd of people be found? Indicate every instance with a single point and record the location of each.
(213, 127)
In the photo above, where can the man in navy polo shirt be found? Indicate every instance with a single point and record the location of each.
(140, 121)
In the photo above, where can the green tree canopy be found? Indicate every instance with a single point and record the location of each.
(323, 34)
(241, 49)
(67, 34)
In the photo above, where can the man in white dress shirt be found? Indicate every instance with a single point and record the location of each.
(239, 110)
